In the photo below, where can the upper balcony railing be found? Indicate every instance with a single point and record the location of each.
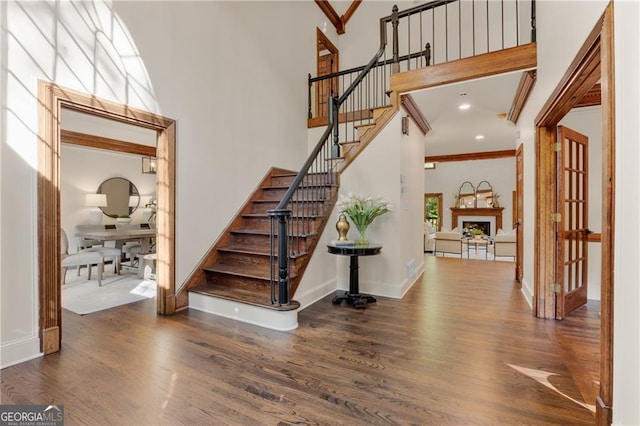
(432, 33)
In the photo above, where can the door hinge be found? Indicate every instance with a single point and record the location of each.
(556, 217)
(557, 147)
(555, 288)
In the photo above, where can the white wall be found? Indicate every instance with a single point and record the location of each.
(392, 166)
(447, 178)
(212, 66)
(626, 320)
(587, 121)
(82, 172)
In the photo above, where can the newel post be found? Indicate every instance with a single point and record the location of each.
(395, 68)
(333, 116)
(282, 216)
(309, 114)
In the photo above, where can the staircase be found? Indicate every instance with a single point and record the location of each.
(285, 218)
(237, 267)
(240, 269)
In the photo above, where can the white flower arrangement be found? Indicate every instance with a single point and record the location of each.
(363, 209)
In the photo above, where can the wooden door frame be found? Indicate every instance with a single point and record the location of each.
(517, 209)
(323, 43)
(594, 62)
(51, 99)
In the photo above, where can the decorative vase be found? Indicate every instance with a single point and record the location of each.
(342, 226)
(362, 237)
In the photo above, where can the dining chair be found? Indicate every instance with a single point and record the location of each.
(85, 244)
(82, 258)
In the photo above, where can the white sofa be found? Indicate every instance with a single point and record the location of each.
(448, 242)
(504, 244)
(429, 237)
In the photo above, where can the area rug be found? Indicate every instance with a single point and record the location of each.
(83, 296)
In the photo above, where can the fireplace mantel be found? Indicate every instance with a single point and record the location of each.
(483, 211)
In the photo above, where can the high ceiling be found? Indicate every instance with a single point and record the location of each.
(454, 131)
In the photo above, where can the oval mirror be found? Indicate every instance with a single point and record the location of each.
(123, 197)
(484, 194)
(467, 196)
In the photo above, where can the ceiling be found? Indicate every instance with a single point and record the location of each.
(453, 131)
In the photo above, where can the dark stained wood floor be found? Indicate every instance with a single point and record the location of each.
(459, 349)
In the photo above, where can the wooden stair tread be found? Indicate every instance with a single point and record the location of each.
(259, 232)
(266, 216)
(321, 200)
(303, 186)
(256, 252)
(240, 271)
(349, 142)
(242, 296)
(364, 125)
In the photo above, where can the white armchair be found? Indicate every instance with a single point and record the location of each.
(448, 242)
(429, 237)
(504, 244)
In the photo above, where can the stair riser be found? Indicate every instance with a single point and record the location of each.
(254, 264)
(364, 129)
(302, 225)
(313, 179)
(322, 193)
(261, 242)
(247, 283)
(316, 208)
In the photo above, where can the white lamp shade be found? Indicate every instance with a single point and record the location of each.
(95, 200)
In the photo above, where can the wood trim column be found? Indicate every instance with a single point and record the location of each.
(604, 402)
(49, 246)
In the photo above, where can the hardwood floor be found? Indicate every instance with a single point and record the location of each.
(460, 348)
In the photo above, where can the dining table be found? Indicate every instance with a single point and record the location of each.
(120, 235)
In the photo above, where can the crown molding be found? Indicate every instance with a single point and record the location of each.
(522, 94)
(486, 155)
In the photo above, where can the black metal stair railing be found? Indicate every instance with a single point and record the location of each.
(292, 220)
(434, 33)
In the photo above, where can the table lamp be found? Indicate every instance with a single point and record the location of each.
(96, 201)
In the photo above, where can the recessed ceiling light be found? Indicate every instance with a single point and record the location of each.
(464, 106)
(479, 137)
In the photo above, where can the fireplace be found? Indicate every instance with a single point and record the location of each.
(477, 215)
(484, 226)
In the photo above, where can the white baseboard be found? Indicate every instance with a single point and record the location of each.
(13, 353)
(527, 293)
(262, 317)
(321, 290)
